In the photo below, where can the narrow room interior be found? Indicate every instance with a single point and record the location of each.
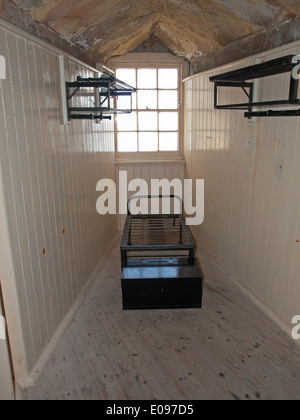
(101, 101)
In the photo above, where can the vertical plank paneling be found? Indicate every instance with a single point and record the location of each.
(27, 295)
(28, 164)
(49, 175)
(6, 383)
(252, 195)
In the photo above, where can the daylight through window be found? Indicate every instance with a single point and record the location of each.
(153, 125)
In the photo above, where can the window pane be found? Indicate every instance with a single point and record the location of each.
(147, 79)
(124, 102)
(168, 99)
(168, 79)
(127, 75)
(168, 142)
(148, 142)
(127, 122)
(154, 123)
(168, 121)
(127, 142)
(147, 99)
(148, 121)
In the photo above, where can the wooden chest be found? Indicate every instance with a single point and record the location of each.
(162, 287)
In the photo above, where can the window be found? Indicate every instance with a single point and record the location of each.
(154, 125)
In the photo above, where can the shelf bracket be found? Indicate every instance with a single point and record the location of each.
(241, 79)
(103, 90)
(243, 86)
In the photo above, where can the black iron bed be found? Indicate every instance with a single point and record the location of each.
(159, 268)
(163, 238)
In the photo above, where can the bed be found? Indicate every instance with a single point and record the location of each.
(159, 268)
(162, 239)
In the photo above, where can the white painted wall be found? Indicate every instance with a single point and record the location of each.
(252, 182)
(49, 175)
(6, 382)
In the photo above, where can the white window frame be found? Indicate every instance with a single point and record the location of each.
(153, 61)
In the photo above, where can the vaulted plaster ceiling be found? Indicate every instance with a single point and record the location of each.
(188, 28)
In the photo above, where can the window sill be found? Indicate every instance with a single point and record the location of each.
(177, 161)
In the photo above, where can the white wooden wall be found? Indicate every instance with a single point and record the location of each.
(6, 382)
(50, 172)
(252, 182)
(149, 171)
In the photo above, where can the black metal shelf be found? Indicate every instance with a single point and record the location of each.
(106, 89)
(242, 79)
(270, 113)
(257, 71)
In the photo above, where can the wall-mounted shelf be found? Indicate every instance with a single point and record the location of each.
(242, 79)
(106, 89)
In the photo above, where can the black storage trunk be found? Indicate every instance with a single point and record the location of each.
(162, 287)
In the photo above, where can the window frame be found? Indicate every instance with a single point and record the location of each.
(157, 155)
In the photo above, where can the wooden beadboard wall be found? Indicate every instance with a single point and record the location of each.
(252, 188)
(50, 172)
(6, 383)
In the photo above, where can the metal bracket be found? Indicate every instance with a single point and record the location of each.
(240, 106)
(239, 78)
(105, 89)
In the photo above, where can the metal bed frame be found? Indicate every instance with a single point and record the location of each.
(156, 239)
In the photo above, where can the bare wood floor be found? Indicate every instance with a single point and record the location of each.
(228, 350)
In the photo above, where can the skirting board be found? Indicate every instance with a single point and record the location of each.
(29, 381)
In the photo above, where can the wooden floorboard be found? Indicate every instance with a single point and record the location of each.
(228, 350)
